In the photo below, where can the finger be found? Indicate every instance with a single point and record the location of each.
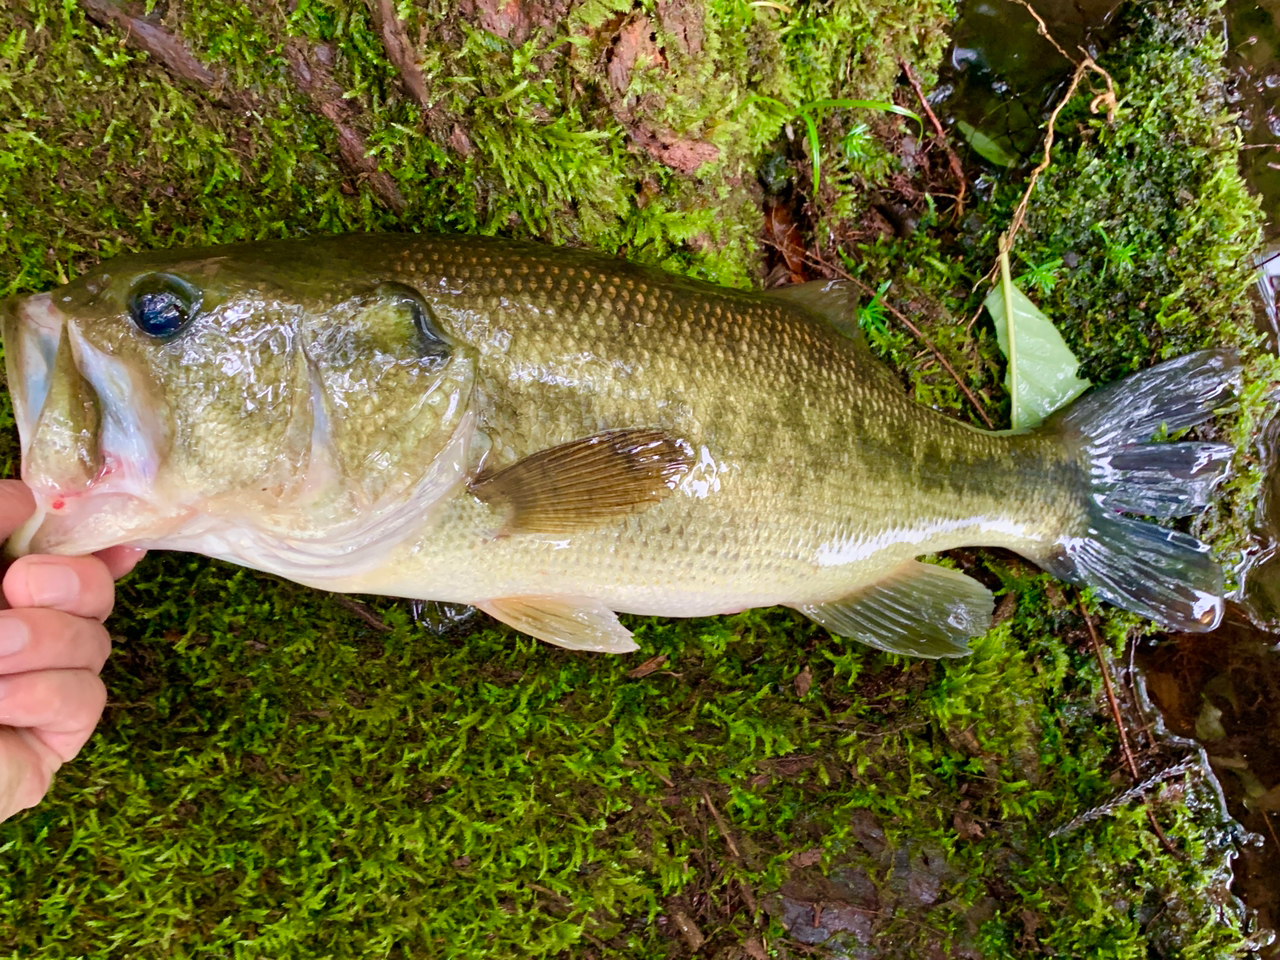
(16, 505)
(59, 707)
(78, 585)
(36, 638)
(120, 560)
(27, 767)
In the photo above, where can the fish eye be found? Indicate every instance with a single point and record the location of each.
(162, 305)
(404, 297)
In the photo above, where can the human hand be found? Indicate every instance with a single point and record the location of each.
(52, 646)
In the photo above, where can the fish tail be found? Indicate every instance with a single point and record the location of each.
(1162, 574)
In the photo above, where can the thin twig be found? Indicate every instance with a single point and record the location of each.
(1266, 818)
(363, 612)
(1112, 104)
(1129, 760)
(1108, 99)
(748, 894)
(1043, 29)
(724, 827)
(915, 331)
(956, 169)
(1133, 793)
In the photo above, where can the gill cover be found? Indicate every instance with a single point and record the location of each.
(279, 424)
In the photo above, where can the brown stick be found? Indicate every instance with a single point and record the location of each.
(400, 49)
(1108, 99)
(316, 82)
(748, 895)
(956, 169)
(724, 827)
(1266, 818)
(363, 612)
(1043, 28)
(168, 50)
(1119, 720)
(916, 332)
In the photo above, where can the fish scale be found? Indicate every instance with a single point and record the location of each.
(782, 444)
(428, 416)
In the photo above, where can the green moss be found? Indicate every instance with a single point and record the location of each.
(344, 792)
(1159, 222)
(276, 778)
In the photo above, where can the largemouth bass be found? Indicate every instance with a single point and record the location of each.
(556, 436)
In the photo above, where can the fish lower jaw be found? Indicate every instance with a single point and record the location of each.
(74, 523)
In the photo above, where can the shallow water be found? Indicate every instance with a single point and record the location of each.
(1001, 77)
(1253, 88)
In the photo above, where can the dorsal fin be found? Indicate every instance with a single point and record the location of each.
(835, 301)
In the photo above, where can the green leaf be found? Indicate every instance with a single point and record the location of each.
(987, 148)
(1042, 369)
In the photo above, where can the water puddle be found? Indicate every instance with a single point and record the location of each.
(1001, 77)
(1223, 690)
(1253, 89)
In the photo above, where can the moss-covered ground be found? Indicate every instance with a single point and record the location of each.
(280, 774)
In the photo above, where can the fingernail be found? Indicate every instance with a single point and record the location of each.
(52, 584)
(14, 635)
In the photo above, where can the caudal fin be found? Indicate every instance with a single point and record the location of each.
(1159, 573)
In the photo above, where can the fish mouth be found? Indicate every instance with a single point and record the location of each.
(88, 451)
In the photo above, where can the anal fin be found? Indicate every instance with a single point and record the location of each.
(581, 484)
(576, 623)
(920, 609)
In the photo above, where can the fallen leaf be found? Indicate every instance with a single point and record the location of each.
(984, 146)
(648, 667)
(460, 142)
(782, 233)
(1042, 369)
(967, 827)
(692, 935)
(803, 681)
(1269, 801)
(1005, 609)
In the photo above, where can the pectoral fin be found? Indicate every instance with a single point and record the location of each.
(920, 609)
(576, 623)
(584, 483)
